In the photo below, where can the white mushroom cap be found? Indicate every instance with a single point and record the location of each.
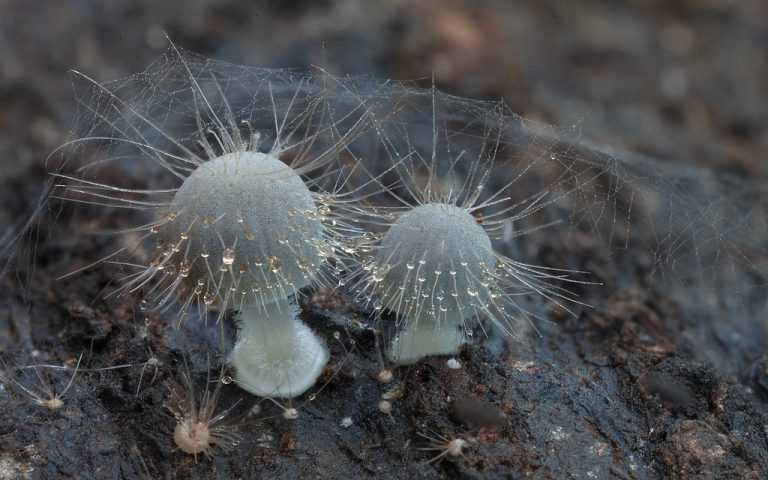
(246, 222)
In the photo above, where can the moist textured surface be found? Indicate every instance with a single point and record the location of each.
(253, 216)
(438, 250)
(636, 389)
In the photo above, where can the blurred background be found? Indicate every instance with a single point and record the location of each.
(681, 80)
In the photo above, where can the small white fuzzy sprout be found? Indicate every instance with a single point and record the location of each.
(346, 422)
(46, 396)
(237, 229)
(290, 413)
(199, 427)
(255, 410)
(385, 407)
(385, 376)
(453, 448)
(453, 364)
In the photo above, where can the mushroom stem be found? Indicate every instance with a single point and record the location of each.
(276, 354)
(427, 336)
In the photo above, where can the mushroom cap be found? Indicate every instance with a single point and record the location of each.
(433, 261)
(245, 222)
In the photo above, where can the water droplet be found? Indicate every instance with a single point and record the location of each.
(184, 268)
(274, 264)
(228, 257)
(453, 364)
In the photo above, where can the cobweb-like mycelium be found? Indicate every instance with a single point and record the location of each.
(244, 221)
(482, 191)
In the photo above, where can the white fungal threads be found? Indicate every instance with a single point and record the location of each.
(46, 395)
(240, 230)
(453, 448)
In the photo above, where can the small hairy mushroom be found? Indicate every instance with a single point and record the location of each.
(434, 261)
(453, 448)
(199, 426)
(252, 236)
(434, 265)
(240, 230)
